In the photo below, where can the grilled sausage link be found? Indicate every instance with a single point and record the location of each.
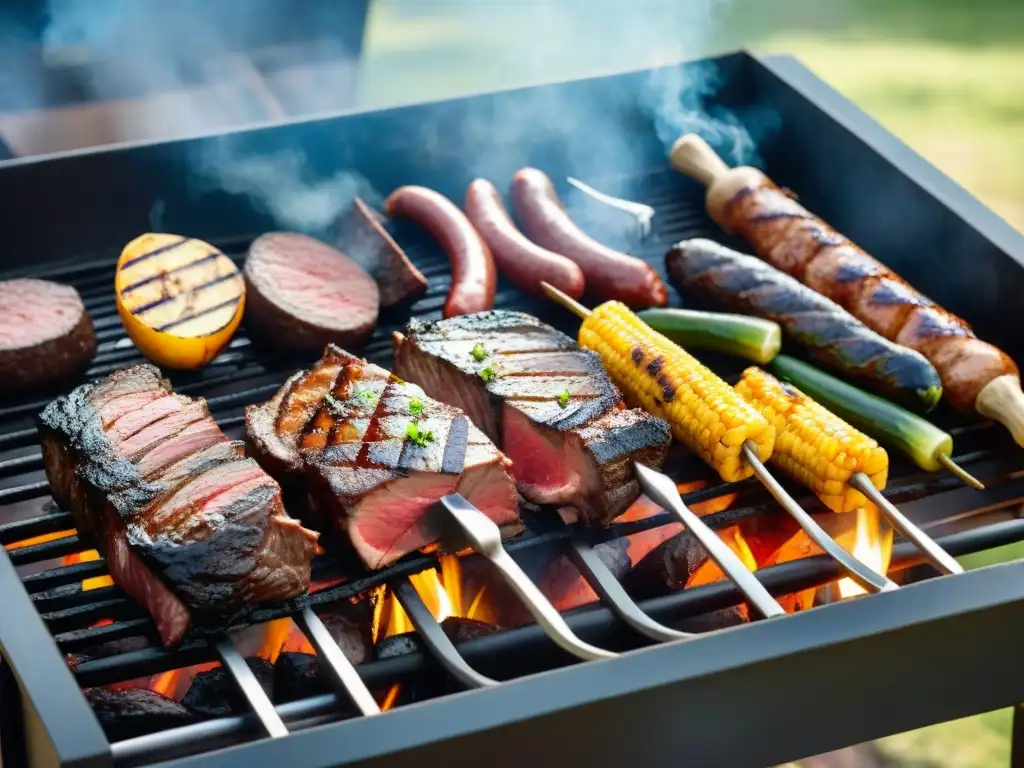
(831, 336)
(474, 276)
(609, 273)
(788, 236)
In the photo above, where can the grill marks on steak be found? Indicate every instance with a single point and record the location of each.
(189, 526)
(341, 430)
(550, 406)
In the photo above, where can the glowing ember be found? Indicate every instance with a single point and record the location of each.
(443, 594)
(87, 557)
(391, 697)
(709, 572)
(872, 545)
(42, 539)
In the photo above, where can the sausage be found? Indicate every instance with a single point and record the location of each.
(474, 277)
(524, 263)
(609, 273)
(831, 335)
(784, 233)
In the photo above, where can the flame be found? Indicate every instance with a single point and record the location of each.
(442, 591)
(872, 545)
(166, 683)
(391, 697)
(283, 636)
(41, 539)
(709, 572)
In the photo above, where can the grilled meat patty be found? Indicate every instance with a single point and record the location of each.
(45, 334)
(829, 334)
(189, 526)
(373, 453)
(302, 294)
(548, 404)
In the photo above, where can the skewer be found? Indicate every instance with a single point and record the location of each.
(864, 576)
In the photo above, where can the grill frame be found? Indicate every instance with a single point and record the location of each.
(635, 693)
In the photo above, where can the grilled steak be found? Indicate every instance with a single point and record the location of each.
(362, 236)
(302, 294)
(45, 334)
(373, 453)
(188, 525)
(546, 402)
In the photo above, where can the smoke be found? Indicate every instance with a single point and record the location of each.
(136, 46)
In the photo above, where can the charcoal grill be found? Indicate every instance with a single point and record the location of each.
(757, 694)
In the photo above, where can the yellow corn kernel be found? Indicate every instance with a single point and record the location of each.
(705, 413)
(814, 446)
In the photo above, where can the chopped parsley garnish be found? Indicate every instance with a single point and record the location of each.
(487, 374)
(479, 353)
(563, 398)
(415, 406)
(366, 395)
(418, 436)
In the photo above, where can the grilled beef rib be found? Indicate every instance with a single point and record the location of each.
(372, 453)
(547, 403)
(188, 525)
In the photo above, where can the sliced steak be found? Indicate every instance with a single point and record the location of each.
(190, 528)
(302, 294)
(546, 402)
(374, 453)
(362, 236)
(46, 335)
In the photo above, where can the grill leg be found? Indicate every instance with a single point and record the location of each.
(12, 721)
(1017, 738)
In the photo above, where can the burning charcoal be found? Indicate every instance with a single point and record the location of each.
(214, 694)
(398, 645)
(298, 676)
(124, 714)
(709, 622)
(666, 568)
(459, 630)
(349, 625)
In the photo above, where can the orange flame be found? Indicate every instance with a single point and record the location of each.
(391, 697)
(872, 545)
(709, 572)
(41, 539)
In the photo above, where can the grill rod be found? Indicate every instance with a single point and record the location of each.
(342, 671)
(251, 689)
(485, 538)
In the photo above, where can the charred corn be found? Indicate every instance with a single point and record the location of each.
(705, 413)
(812, 445)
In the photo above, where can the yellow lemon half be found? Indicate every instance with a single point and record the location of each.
(180, 299)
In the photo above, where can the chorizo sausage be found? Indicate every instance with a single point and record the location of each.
(609, 273)
(523, 262)
(474, 278)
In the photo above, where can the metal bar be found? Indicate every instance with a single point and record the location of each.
(662, 490)
(11, 533)
(610, 591)
(860, 573)
(1017, 738)
(66, 721)
(341, 668)
(714, 700)
(485, 538)
(434, 637)
(251, 689)
(936, 554)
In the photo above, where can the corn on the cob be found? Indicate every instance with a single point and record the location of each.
(705, 413)
(812, 445)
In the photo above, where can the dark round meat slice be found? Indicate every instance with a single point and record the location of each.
(302, 294)
(45, 335)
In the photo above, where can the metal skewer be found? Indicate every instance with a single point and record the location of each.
(939, 557)
(643, 214)
(483, 535)
(866, 577)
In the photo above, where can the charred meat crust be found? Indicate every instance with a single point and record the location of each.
(207, 524)
(363, 237)
(61, 350)
(550, 405)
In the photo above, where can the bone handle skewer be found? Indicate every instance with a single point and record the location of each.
(1001, 399)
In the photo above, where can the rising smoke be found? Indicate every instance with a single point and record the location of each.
(542, 40)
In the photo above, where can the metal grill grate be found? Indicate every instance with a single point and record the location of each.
(243, 375)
